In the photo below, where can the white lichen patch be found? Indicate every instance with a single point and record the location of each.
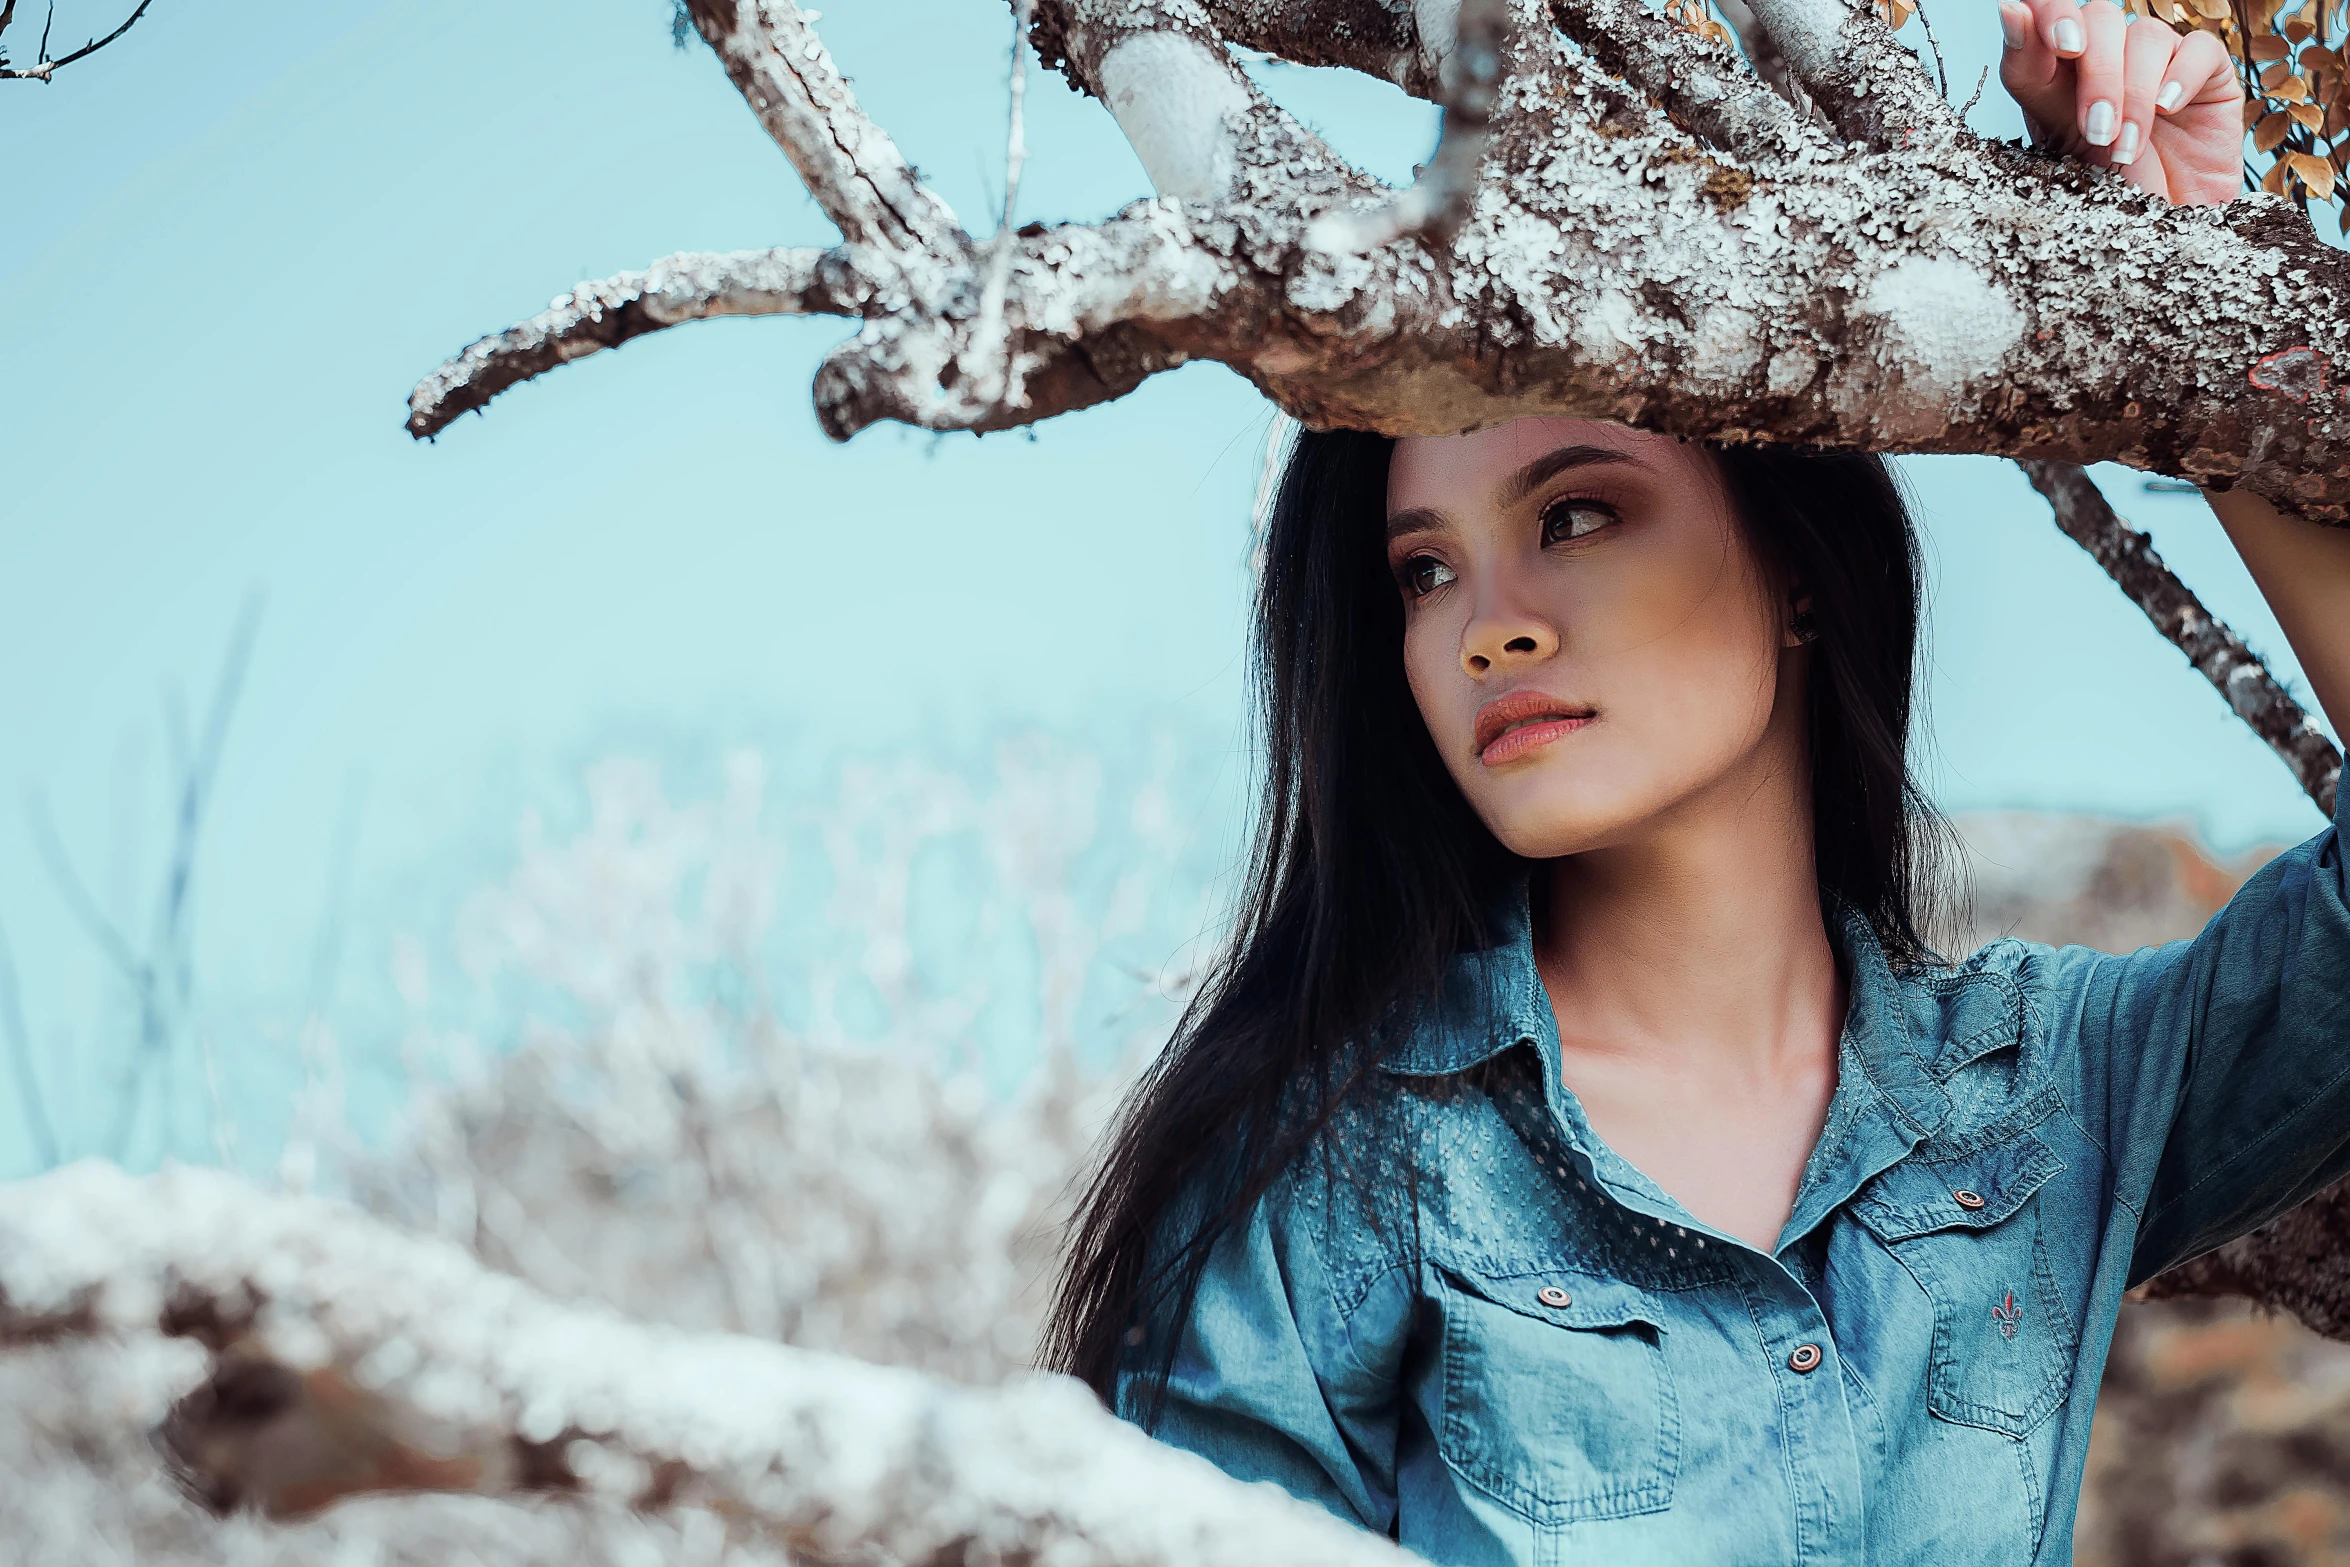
(1327, 283)
(1791, 371)
(1941, 324)
(1726, 344)
(1609, 332)
(1175, 99)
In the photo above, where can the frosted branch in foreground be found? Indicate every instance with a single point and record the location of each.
(2237, 672)
(348, 1356)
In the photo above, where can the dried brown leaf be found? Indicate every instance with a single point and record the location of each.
(2269, 135)
(2270, 47)
(2291, 90)
(2316, 173)
(2308, 116)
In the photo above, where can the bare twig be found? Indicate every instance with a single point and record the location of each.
(161, 978)
(1982, 79)
(1941, 71)
(46, 68)
(991, 343)
(2233, 669)
(20, 1039)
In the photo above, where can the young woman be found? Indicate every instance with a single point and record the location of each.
(1581, 1155)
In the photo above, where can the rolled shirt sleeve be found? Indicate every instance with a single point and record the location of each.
(2217, 1070)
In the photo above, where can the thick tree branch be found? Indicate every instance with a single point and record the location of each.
(689, 286)
(1762, 53)
(46, 68)
(2233, 669)
(349, 1357)
(1703, 85)
(1950, 295)
(848, 163)
(1370, 36)
(1872, 88)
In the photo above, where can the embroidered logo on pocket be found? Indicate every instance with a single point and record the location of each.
(2008, 1315)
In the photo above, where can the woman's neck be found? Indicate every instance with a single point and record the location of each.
(1705, 937)
(1698, 998)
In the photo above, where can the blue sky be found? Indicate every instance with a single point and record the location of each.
(231, 243)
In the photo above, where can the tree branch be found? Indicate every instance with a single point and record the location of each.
(20, 1046)
(1361, 35)
(1871, 87)
(1704, 85)
(689, 286)
(1445, 193)
(1731, 274)
(2233, 669)
(349, 1357)
(848, 163)
(47, 68)
(2298, 1263)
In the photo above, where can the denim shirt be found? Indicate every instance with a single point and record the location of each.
(1509, 1348)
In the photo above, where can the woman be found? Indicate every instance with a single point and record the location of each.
(1582, 1155)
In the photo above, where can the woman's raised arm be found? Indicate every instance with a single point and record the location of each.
(2304, 572)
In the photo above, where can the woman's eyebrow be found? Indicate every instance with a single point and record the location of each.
(1554, 462)
(1413, 521)
(1519, 485)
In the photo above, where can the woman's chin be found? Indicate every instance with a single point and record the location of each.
(1561, 816)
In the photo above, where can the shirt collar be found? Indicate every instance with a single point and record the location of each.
(1492, 998)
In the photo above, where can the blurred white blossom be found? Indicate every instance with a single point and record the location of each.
(744, 1082)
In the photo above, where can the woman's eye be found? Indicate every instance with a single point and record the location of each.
(1567, 520)
(1424, 574)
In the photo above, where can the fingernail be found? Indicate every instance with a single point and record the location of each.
(2069, 37)
(2168, 98)
(2100, 127)
(2012, 20)
(2127, 152)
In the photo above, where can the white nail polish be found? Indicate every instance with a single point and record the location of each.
(2069, 37)
(2013, 21)
(2127, 153)
(2099, 130)
(2168, 98)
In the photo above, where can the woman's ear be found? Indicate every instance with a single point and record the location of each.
(1803, 627)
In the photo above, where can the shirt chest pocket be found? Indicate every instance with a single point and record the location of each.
(1970, 1232)
(1557, 1400)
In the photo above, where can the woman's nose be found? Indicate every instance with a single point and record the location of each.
(1503, 636)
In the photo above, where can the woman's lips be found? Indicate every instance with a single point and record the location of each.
(1523, 722)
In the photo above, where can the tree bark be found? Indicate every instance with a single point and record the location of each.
(348, 1357)
(1657, 238)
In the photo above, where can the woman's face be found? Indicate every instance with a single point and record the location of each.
(1591, 641)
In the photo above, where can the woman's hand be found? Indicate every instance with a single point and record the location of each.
(2164, 109)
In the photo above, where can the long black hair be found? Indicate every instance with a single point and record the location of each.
(1369, 871)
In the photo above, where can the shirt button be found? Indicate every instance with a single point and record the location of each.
(1552, 1295)
(1967, 1199)
(1805, 1360)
